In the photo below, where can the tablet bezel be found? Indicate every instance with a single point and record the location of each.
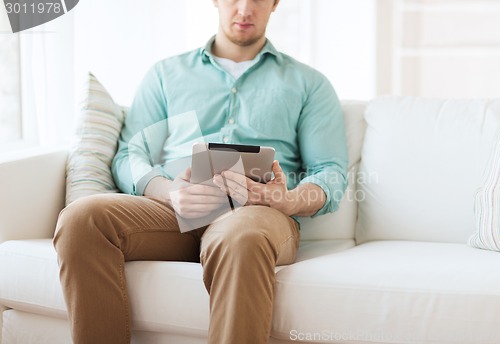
(212, 158)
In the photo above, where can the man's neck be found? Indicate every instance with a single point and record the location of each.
(223, 47)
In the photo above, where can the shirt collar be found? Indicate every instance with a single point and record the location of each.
(206, 51)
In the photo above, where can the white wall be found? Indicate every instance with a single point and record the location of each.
(118, 46)
(345, 46)
(439, 48)
(119, 40)
(360, 45)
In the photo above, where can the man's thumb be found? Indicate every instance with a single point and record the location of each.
(279, 176)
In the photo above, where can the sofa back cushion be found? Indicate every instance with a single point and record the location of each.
(341, 224)
(422, 162)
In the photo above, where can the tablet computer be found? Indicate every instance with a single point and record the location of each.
(209, 159)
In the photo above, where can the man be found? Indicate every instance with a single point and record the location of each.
(238, 89)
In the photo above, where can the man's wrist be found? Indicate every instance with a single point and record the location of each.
(291, 202)
(305, 200)
(158, 188)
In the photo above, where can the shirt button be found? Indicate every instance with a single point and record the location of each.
(225, 139)
(234, 90)
(231, 120)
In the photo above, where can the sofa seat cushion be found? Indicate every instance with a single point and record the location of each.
(30, 277)
(392, 292)
(165, 296)
(28, 328)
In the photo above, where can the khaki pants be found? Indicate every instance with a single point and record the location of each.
(96, 235)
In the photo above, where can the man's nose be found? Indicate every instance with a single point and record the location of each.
(245, 7)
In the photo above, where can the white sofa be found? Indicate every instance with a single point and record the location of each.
(392, 266)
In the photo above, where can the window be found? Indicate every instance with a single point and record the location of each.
(439, 48)
(10, 85)
(36, 84)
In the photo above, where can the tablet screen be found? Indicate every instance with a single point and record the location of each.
(213, 158)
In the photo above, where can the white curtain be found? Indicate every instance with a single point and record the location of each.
(330, 35)
(10, 106)
(47, 82)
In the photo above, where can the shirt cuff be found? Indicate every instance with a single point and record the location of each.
(141, 185)
(330, 204)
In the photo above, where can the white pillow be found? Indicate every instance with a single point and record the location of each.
(487, 206)
(421, 163)
(88, 170)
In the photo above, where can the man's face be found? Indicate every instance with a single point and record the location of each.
(244, 22)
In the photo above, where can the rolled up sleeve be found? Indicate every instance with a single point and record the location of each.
(322, 143)
(137, 159)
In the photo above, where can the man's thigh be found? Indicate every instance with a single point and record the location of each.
(281, 231)
(143, 228)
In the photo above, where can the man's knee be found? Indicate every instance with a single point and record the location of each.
(78, 221)
(251, 219)
(240, 235)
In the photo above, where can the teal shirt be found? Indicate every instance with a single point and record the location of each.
(278, 102)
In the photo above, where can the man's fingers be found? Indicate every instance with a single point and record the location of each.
(198, 189)
(203, 190)
(208, 200)
(237, 177)
(237, 191)
(197, 211)
(231, 185)
(188, 205)
(201, 207)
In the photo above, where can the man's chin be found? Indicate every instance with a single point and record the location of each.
(245, 41)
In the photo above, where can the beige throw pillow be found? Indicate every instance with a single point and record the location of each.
(88, 169)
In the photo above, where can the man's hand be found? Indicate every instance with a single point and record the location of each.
(195, 200)
(188, 200)
(305, 200)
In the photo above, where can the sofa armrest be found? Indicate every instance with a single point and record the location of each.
(31, 195)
